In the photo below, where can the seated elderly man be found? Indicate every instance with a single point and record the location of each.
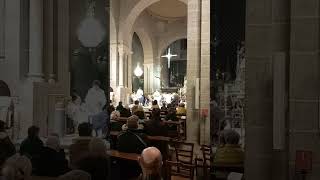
(132, 140)
(231, 152)
(150, 163)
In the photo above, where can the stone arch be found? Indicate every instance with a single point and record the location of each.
(4, 89)
(127, 26)
(163, 46)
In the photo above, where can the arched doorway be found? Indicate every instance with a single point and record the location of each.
(137, 63)
(173, 64)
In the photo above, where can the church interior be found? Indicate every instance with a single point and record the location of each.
(159, 89)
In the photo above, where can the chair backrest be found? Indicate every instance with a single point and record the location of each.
(206, 154)
(184, 152)
(171, 167)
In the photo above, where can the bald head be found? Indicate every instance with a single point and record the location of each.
(151, 160)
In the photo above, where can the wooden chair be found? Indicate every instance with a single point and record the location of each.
(184, 152)
(179, 175)
(207, 159)
(184, 155)
(183, 132)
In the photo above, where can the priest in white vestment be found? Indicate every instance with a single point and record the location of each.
(95, 99)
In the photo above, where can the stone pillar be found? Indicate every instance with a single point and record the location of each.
(36, 41)
(205, 72)
(113, 65)
(259, 91)
(304, 82)
(193, 68)
(49, 39)
(121, 89)
(59, 119)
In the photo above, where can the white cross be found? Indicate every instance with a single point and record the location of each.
(169, 56)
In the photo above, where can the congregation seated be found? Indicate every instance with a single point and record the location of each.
(136, 107)
(96, 162)
(132, 139)
(181, 110)
(7, 148)
(75, 175)
(155, 105)
(121, 109)
(55, 155)
(126, 111)
(155, 127)
(172, 114)
(230, 152)
(151, 164)
(32, 146)
(79, 146)
(16, 167)
(164, 107)
(140, 125)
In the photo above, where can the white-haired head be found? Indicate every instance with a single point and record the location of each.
(151, 161)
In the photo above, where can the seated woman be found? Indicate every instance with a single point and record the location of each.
(155, 105)
(155, 127)
(132, 140)
(231, 152)
(181, 110)
(55, 155)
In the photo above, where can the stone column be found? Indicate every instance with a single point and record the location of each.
(205, 72)
(304, 88)
(259, 91)
(36, 41)
(121, 89)
(49, 39)
(59, 126)
(121, 68)
(193, 68)
(113, 65)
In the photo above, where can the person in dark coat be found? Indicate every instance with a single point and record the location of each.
(120, 107)
(52, 153)
(7, 148)
(132, 139)
(155, 127)
(96, 162)
(32, 146)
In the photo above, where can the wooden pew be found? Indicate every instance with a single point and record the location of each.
(151, 138)
(122, 155)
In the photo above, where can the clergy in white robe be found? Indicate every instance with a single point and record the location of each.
(95, 99)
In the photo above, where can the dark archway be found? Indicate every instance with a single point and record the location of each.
(4, 89)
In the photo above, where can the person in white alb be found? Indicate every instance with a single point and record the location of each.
(95, 99)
